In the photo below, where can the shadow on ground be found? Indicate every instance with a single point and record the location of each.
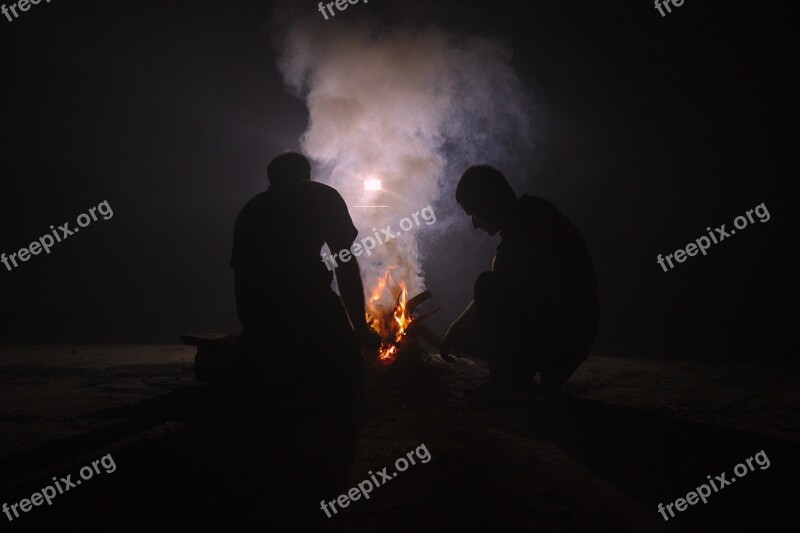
(657, 459)
(239, 465)
(230, 464)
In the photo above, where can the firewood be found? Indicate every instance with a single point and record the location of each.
(425, 316)
(420, 298)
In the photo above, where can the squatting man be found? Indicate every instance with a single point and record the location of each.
(536, 310)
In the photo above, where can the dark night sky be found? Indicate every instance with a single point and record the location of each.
(654, 128)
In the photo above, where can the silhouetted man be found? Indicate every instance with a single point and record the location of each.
(537, 309)
(296, 333)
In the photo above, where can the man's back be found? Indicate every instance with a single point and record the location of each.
(278, 237)
(546, 257)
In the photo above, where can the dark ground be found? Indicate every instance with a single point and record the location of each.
(626, 435)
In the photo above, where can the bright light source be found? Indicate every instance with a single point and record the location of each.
(372, 185)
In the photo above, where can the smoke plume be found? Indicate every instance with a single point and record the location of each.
(409, 107)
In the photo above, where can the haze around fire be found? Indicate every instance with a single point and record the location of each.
(410, 107)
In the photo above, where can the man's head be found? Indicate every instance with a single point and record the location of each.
(486, 196)
(287, 168)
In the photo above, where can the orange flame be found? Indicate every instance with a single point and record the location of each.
(391, 324)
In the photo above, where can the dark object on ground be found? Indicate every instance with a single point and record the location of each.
(215, 355)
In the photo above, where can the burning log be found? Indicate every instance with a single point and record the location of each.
(417, 300)
(400, 327)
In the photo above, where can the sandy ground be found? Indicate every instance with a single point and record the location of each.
(626, 435)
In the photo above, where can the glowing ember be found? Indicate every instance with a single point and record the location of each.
(391, 324)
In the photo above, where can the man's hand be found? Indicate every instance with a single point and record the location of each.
(453, 340)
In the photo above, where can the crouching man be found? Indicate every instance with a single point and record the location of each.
(537, 309)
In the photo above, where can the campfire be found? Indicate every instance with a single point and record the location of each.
(393, 316)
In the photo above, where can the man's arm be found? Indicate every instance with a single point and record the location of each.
(339, 234)
(348, 276)
(453, 339)
(468, 314)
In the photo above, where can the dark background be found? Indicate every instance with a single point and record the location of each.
(653, 129)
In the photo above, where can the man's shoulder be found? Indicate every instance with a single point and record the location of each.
(254, 205)
(530, 206)
(323, 199)
(539, 212)
(292, 193)
(257, 200)
(306, 191)
(530, 201)
(320, 189)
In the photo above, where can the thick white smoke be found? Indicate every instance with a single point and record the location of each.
(409, 107)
